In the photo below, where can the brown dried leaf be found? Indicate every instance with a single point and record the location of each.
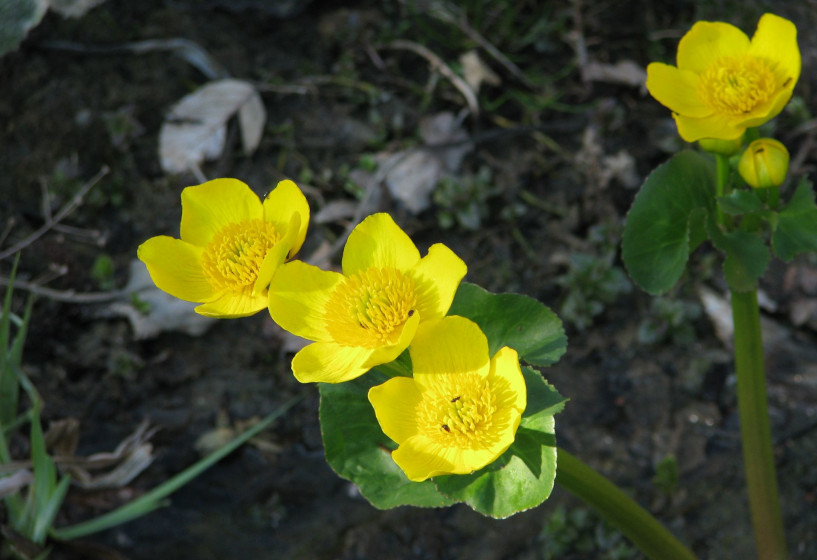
(196, 127)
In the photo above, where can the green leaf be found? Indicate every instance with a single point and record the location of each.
(358, 450)
(17, 17)
(523, 477)
(796, 230)
(747, 256)
(513, 320)
(740, 202)
(665, 221)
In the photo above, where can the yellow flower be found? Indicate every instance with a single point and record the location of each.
(368, 315)
(725, 83)
(231, 244)
(764, 163)
(461, 409)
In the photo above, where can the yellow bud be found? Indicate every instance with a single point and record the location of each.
(721, 147)
(764, 164)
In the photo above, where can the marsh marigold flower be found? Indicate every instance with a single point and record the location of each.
(231, 244)
(461, 409)
(369, 314)
(764, 163)
(725, 83)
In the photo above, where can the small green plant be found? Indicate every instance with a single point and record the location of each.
(31, 515)
(666, 475)
(463, 201)
(592, 280)
(102, 272)
(580, 531)
(671, 320)
(32, 496)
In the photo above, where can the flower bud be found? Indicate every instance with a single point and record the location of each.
(764, 164)
(721, 147)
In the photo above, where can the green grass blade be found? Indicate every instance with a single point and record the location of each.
(8, 381)
(46, 515)
(45, 476)
(153, 499)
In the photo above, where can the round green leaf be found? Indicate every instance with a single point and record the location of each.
(740, 202)
(513, 320)
(358, 450)
(523, 477)
(796, 230)
(666, 220)
(747, 256)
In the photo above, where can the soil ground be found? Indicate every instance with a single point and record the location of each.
(551, 172)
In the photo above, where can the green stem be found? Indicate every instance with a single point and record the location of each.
(652, 538)
(755, 431)
(156, 497)
(722, 179)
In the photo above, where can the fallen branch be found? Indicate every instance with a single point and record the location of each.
(50, 221)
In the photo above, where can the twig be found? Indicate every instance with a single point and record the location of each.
(450, 13)
(68, 296)
(50, 222)
(7, 229)
(193, 53)
(438, 64)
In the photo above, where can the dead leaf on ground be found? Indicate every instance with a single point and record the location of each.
(413, 174)
(12, 484)
(158, 312)
(624, 72)
(226, 431)
(73, 8)
(132, 456)
(195, 128)
(476, 72)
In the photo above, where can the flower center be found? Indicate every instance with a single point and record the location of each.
(369, 307)
(459, 411)
(737, 85)
(233, 257)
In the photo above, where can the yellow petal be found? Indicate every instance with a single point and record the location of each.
(676, 89)
(717, 126)
(175, 267)
(327, 362)
(504, 422)
(298, 296)
(389, 353)
(378, 242)
(395, 404)
(450, 345)
(506, 376)
(437, 277)
(232, 306)
(420, 459)
(208, 207)
(776, 40)
(285, 200)
(277, 255)
(708, 41)
(765, 112)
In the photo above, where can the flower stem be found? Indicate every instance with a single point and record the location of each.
(722, 180)
(758, 459)
(652, 538)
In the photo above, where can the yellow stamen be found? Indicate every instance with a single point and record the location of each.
(232, 259)
(369, 307)
(459, 412)
(737, 85)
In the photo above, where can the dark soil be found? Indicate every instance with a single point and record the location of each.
(66, 114)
